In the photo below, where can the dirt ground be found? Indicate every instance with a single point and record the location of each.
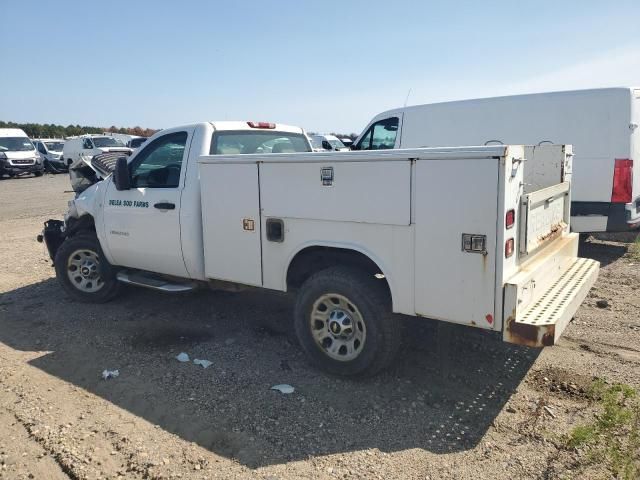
(457, 404)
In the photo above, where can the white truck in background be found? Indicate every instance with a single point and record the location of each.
(81, 149)
(452, 234)
(601, 124)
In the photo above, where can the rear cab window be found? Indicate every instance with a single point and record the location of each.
(248, 141)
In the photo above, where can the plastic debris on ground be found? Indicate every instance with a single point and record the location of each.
(283, 388)
(183, 357)
(204, 363)
(107, 374)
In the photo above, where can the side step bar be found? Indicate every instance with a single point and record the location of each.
(156, 282)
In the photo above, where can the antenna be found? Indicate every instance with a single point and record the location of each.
(407, 99)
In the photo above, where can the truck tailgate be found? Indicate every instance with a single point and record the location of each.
(544, 216)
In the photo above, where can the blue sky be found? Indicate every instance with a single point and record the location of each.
(325, 66)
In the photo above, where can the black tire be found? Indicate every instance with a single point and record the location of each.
(38, 174)
(87, 244)
(369, 301)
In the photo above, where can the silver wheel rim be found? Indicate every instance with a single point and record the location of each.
(83, 269)
(338, 327)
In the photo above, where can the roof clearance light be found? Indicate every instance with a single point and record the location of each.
(261, 125)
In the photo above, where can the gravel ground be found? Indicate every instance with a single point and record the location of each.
(457, 404)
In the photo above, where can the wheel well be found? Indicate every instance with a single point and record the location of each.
(313, 259)
(85, 223)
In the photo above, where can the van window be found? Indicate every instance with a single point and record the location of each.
(234, 142)
(41, 148)
(380, 136)
(54, 146)
(101, 142)
(15, 144)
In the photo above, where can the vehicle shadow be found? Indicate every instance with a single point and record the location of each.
(604, 251)
(442, 395)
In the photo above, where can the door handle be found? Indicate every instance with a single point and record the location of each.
(165, 206)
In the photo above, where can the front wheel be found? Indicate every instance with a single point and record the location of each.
(83, 271)
(344, 323)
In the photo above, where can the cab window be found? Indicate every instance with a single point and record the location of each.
(86, 144)
(159, 164)
(41, 148)
(249, 141)
(380, 136)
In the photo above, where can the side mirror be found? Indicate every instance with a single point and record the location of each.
(121, 177)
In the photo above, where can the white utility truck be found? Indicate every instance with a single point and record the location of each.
(453, 234)
(600, 124)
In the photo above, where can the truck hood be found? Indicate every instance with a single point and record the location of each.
(87, 171)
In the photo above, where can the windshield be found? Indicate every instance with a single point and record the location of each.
(54, 146)
(136, 142)
(15, 144)
(336, 143)
(232, 142)
(100, 142)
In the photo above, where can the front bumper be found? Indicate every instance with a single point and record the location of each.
(8, 169)
(52, 236)
(632, 211)
(58, 165)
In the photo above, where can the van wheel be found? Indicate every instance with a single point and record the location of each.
(344, 323)
(38, 174)
(83, 271)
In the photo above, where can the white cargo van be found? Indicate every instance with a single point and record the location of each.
(50, 151)
(357, 235)
(601, 124)
(326, 142)
(18, 156)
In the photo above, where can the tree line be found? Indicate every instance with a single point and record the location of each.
(49, 130)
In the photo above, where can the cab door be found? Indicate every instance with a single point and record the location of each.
(142, 225)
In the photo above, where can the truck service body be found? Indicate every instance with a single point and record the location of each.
(600, 124)
(454, 234)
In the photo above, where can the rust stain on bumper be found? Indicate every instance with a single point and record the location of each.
(528, 334)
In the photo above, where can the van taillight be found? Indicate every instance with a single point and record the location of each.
(622, 181)
(261, 125)
(510, 218)
(508, 248)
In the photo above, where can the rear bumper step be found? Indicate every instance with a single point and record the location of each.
(542, 322)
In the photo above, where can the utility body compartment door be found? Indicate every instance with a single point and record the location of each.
(452, 198)
(231, 222)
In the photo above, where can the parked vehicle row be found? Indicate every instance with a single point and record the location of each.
(20, 155)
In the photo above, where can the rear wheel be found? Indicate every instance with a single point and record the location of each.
(344, 323)
(83, 271)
